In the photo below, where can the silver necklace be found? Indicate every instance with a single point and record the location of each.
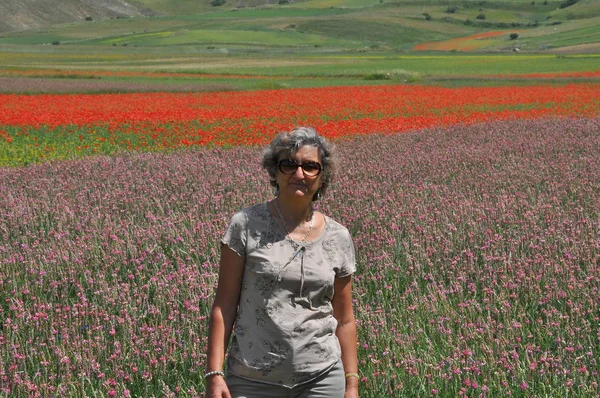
(310, 227)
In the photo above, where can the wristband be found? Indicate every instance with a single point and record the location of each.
(214, 373)
(352, 374)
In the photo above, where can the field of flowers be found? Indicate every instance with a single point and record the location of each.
(478, 244)
(37, 128)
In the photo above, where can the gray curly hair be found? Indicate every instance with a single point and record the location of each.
(288, 143)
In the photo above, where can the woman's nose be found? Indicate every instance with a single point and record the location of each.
(299, 173)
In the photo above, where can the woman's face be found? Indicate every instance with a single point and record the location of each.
(299, 184)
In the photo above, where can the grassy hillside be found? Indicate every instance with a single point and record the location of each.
(18, 15)
(190, 45)
(334, 25)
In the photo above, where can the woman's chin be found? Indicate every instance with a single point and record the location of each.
(300, 193)
(297, 193)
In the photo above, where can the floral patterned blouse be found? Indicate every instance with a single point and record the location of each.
(284, 332)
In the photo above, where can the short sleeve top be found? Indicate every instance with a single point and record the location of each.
(284, 333)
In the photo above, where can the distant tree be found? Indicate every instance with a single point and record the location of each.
(567, 3)
(217, 3)
(514, 36)
(56, 43)
(283, 2)
(480, 16)
(89, 18)
(451, 9)
(427, 16)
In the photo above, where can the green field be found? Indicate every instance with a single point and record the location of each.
(221, 71)
(333, 24)
(310, 43)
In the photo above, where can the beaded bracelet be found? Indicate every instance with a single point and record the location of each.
(213, 373)
(352, 374)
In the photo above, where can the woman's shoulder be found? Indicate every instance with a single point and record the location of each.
(255, 211)
(332, 226)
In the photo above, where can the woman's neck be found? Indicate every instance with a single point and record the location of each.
(297, 210)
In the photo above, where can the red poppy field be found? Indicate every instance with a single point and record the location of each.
(36, 128)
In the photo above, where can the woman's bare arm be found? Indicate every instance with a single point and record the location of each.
(346, 330)
(222, 317)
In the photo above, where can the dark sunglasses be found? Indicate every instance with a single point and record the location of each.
(310, 169)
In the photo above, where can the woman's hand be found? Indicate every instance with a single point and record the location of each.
(351, 393)
(351, 388)
(217, 388)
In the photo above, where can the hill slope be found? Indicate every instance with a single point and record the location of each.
(18, 15)
(308, 26)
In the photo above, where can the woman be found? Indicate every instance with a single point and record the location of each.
(285, 278)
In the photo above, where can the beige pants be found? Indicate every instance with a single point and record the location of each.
(331, 384)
